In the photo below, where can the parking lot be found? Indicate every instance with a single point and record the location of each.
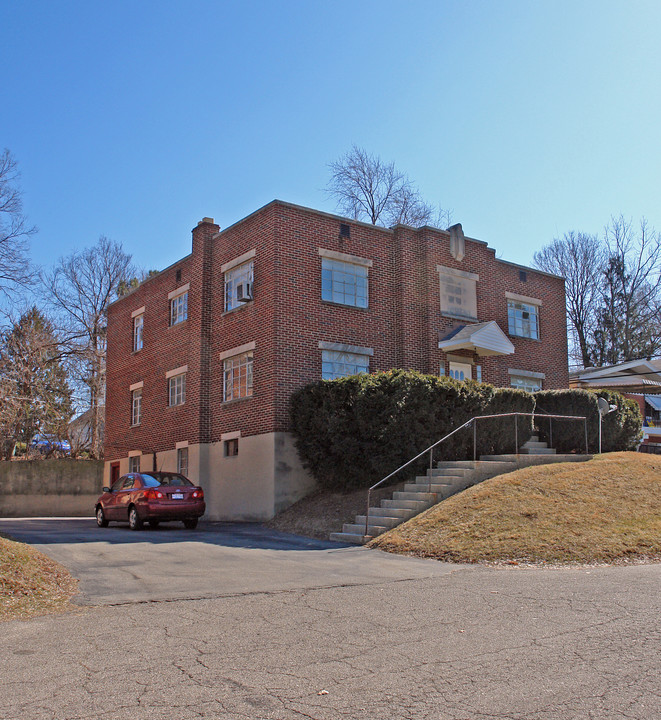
(234, 621)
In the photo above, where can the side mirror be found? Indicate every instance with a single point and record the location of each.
(106, 489)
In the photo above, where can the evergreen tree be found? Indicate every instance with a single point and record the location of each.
(34, 394)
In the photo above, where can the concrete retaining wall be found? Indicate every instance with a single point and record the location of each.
(49, 488)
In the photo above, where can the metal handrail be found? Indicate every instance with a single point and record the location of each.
(472, 421)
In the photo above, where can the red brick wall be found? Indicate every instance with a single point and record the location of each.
(165, 348)
(287, 320)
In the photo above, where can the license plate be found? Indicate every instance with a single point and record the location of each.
(177, 496)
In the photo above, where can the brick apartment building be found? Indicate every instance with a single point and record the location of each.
(203, 357)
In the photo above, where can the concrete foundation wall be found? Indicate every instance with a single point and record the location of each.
(292, 480)
(264, 478)
(49, 488)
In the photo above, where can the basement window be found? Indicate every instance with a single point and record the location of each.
(231, 447)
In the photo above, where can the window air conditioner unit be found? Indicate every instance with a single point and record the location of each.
(244, 292)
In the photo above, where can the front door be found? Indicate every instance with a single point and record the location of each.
(461, 371)
(114, 473)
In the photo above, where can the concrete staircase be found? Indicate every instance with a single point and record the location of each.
(446, 479)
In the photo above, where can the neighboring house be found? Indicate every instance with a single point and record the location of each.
(80, 430)
(203, 357)
(636, 379)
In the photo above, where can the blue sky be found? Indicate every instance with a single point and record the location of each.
(136, 119)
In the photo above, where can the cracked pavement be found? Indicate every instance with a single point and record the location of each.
(413, 640)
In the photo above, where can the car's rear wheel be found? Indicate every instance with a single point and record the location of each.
(101, 517)
(135, 523)
(190, 523)
(153, 524)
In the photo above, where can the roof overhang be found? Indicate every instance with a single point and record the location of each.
(482, 338)
(631, 384)
(641, 369)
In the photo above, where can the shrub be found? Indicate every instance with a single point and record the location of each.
(353, 431)
(621, 429)
(497, 436)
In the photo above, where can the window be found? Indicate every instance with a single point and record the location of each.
(134, 464)
(231, 447)
(461, 371)
(116, 486)
(337, 364)
(136, 406)
(177, 390)
(238, 285)
(530, 384)
(458, 293)
(237, 376)
(523, 319)
(344, 282)
(138, 323)
(182, 461)
(179, 308)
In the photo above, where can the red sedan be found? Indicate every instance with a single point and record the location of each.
(151, 497)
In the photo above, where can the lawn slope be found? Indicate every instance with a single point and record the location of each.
(31, 583)
(606, 510)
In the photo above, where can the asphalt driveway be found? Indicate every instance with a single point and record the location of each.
(235, 621)
(116, 565)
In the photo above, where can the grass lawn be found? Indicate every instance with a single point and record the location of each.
(607, 510)
(31, 583)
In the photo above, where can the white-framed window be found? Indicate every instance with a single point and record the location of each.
(179, 308)
(134, 464)
(530, 384)
(523, 319)
(344, 282)
(337, 363)
(237, 376)
(458, 293)
(177, 389)
(182, 461)
(461, 371)
(238, 284)
(136, 406)
(138, 324)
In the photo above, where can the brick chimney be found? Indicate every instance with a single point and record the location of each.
(202, 235)
(199, 318)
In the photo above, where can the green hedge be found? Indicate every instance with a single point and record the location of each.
(621, 429)
(497, 436)
(353, 431)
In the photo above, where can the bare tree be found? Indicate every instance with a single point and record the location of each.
(628, 323)
(580, 259)
(81, 287)
(15, 270)
(367, 188)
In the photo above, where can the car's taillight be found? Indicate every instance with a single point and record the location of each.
(154, 495)
(198, 493)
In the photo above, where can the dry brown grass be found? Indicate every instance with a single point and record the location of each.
(31, 583)
(604, 511)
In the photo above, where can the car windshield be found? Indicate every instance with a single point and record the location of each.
(157, 479)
